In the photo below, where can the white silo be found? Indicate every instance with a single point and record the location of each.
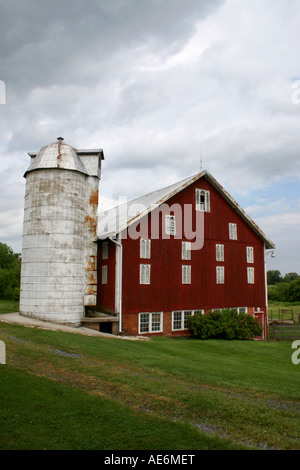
(58, 272)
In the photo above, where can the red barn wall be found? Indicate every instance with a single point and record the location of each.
(106, 292)
(166, 291)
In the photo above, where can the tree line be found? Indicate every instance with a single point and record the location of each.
(283, 288)
(10, 268)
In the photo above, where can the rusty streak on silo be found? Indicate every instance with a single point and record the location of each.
(59, 252)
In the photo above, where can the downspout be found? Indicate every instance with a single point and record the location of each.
(120, 270)
(266, 289)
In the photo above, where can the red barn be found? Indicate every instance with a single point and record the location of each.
(181, 250)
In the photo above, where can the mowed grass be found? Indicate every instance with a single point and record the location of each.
(67, 391)
(275, 306)
(8, 306)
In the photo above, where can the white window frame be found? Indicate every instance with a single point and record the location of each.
(199, 312)
(250, 254)
(250, 275)
(170, 225)
(202, 200)
(186, 274)
(186, 250)
(105, 250)
(242, 309)
(219, 252)
(145, 248)
(180, 318)
(150, 320)
(104, 275)
(220, 275)
(232, 231)
(145, 271)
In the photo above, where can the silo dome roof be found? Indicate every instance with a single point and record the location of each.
(56, 155)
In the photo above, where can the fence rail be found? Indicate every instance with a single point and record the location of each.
(284, 332)
(281, 314)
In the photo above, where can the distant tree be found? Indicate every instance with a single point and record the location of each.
(10, 267)
(291, 277)
(273, 277)
(294, 290)
(283, 290)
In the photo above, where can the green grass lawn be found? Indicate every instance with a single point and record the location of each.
(9, 306)
(67, 391)
(275, 306)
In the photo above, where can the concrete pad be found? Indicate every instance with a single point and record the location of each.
(17, 319)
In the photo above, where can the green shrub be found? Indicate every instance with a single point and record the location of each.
(228, 324)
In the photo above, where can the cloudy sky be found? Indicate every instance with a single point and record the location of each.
(155, 83)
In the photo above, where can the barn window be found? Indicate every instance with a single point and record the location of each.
(186, 250)
(198, 312)
(219, 252)
(250, 275)
(180, 319)
(202, 200)
(145, 248)
(232, 232)
(104, 275)
(104, 250)
(144, 273)
(150, 322)
(250, 254)
(186, 274)
(242, 309)
(170, 225)
(220, 274)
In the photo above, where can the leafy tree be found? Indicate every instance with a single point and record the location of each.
(273, 277)
(294, 291)
(291, 277)
(10, 267)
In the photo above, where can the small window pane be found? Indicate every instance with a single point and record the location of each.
(177, 320)
(232, 232)
(219, 252)
(145, 274)
(250, 254)
(186, 316)
(186, 274)
(170, 225)
(199, 312)
(250, 275)
(202, 200)
(186, 250)
(105, 250)
(220, 275)
(144, 322)
(145, 248)
(156, 321)
(104, 274)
